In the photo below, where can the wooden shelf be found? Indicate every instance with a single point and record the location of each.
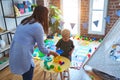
(4, 49)
(5, 63)
(22, 15)
(5, 32)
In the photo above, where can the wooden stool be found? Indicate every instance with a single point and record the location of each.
(45, 75)
(65, 75)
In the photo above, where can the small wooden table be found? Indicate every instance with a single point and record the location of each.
(55, 62)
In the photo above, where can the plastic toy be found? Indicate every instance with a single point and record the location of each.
(1, 29)
(52, 66)
(37, 54)
(57, 59)
(59, 51)
(2, 44)
(89, 55)
(16, 11)
(57, 69)
(90, 50)
(100, 40)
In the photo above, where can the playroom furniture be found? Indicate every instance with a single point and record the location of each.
(63, 67)
(102, 60)
(18, 10)
(4, 50)
(66, 74)
(8, 6)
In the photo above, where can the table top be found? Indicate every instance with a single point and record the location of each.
(56, 63)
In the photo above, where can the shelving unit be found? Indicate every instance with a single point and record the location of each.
(25, 14)
(10, 33)
(5, 63)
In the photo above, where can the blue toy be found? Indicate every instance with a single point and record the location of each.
(59, 51)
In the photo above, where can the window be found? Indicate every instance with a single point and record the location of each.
(71, 15)
(98, 11)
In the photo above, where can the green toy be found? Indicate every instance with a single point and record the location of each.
(52, 66)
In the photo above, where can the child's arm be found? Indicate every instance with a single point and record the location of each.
(70, 53)
(72, 48)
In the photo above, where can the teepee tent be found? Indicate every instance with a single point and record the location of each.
(101, 59)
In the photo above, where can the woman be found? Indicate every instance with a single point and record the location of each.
(30, 31)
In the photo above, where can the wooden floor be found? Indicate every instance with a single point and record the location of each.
(93, 76)
(5, 74)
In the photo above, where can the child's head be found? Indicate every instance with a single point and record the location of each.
(65, 34)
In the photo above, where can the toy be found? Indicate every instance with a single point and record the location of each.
(48, 60)
(1, 30)
(57, 69)
(59, 51)
(52, 66)
(57, 59)
(38, 53)
(61, 62)
(2, 44)
(16, 10)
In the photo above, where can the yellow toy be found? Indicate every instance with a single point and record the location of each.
(57, 59)
(17, 11)
(57, 69)
(1, 30)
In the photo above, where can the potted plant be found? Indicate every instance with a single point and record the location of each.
(54, 19)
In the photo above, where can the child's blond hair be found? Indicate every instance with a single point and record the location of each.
(65, 32)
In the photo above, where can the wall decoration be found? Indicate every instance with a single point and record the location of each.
(96, 23)
(53, 20)
(61, 23)
(72, 25)
(107, 19)
(85, 25)
(118, 13)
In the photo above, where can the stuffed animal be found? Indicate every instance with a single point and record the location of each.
(1, 30)
(17, 11)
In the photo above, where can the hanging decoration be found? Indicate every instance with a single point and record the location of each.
(72, 25)
(85, 25)
(118, 13)
(60, 27)
(96, 23)
(53, 20)
(107, 19)
(61, 23)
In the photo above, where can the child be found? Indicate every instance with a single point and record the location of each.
(65, 44)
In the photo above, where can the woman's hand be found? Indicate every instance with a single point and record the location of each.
(54, 53)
